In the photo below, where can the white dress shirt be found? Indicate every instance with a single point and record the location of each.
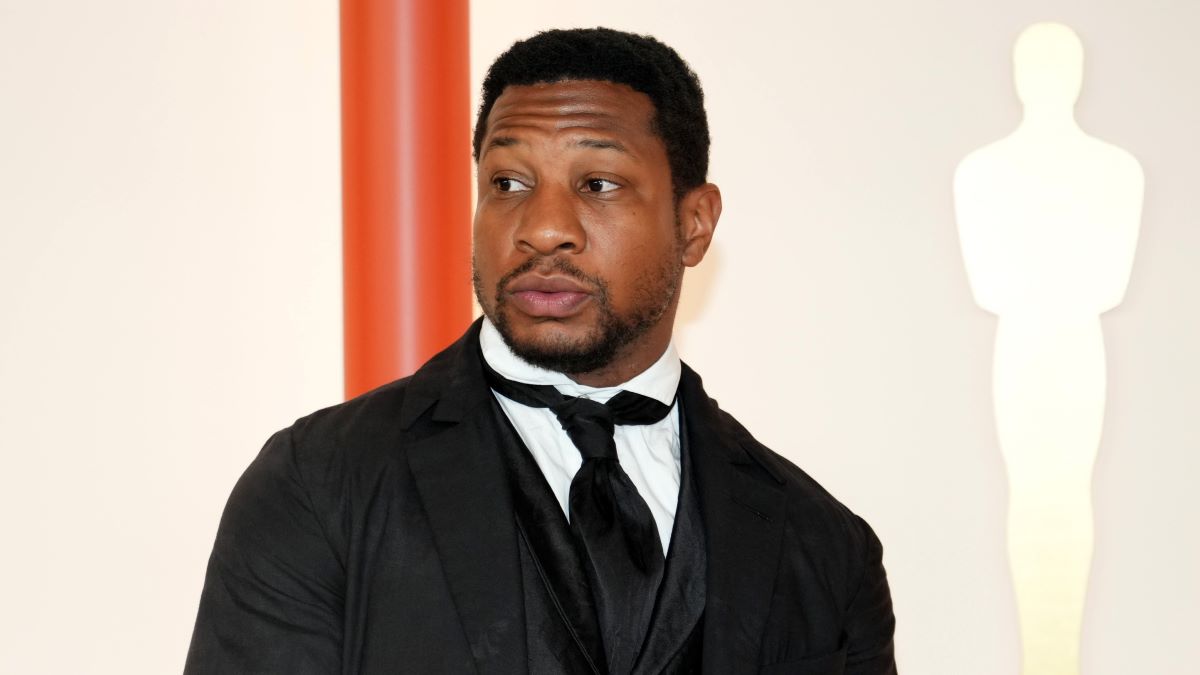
(648, 453)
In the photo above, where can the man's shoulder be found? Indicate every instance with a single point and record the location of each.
(380, 422)
(323, 448)
(812, 509)
(371, 415)
(796, 481)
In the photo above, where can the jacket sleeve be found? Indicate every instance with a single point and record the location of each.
(870, 624)
(274, 590)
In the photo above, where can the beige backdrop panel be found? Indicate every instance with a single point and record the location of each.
(833, 315)
(169, 296)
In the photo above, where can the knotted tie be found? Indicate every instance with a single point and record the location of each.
(608, 516)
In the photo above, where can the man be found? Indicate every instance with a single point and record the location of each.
(555, 492)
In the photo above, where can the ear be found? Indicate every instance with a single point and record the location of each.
(699, 211)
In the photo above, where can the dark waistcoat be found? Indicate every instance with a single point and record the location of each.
(562, 629)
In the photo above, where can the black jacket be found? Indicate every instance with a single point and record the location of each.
(377, 536)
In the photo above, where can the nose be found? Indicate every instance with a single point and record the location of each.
(549, 223)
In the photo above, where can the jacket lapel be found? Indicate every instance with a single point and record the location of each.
(552, 549)
(460, 480)
(743, 506)
(679, 608)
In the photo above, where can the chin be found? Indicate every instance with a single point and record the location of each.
(551, 336)
(554, 345)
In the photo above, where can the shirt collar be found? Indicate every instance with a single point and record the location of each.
(660, 381)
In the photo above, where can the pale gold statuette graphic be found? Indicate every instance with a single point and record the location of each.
(1048, 218)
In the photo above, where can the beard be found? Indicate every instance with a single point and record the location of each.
(609, 334)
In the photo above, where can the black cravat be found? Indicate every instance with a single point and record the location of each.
(610, 519)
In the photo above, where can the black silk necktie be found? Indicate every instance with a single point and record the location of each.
(607, 514)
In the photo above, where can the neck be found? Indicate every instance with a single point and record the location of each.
(1049, 120)
(627, 364)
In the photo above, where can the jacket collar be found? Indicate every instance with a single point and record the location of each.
(451, 383)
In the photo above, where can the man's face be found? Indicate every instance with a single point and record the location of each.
(578, 254)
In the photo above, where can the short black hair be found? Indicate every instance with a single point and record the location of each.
(639, 61)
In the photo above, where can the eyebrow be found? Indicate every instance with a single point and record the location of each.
(601, 144)
(595, 143)
(501, 142)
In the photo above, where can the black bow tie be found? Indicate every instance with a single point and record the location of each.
(608, 516)
(589, 424)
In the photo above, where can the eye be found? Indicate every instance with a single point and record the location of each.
(599, 185)
(506, 184)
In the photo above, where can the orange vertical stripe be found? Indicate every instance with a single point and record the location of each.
(406, 172)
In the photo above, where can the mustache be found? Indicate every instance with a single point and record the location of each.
(551, 264)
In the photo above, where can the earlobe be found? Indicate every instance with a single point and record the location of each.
(700, 210)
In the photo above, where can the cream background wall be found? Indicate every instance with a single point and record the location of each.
(169, 295)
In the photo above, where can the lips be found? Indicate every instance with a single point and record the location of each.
(554, 297)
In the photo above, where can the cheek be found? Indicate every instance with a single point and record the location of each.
(486, 269)
(634, 268)
(487, 246)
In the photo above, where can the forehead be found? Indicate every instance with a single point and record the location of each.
(573, 105)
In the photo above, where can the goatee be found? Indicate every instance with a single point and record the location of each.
(611, 332)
